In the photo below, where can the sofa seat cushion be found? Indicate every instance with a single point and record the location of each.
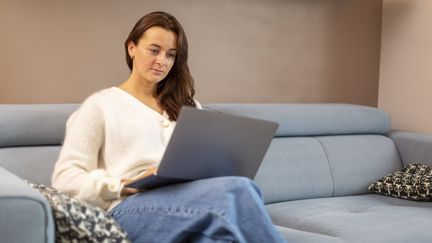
(363, 218)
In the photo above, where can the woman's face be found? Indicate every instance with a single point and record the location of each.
(154, 54)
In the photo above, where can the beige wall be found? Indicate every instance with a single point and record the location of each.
(240, 51)
(406, 64)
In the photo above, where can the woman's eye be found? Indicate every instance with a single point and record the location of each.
(153, 51)
(171, 56)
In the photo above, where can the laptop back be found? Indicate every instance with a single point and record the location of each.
(210, 144)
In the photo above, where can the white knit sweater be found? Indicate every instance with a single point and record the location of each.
(112, 136)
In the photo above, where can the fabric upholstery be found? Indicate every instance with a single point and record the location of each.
(358, 160)
(314, 119)
(294, 235)
(294, 168)
(25, 215)
(364, 218)
(309, 167)
(413, 147)
(33, 163)
(24, 125)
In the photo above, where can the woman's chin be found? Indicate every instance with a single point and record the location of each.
(154, 78)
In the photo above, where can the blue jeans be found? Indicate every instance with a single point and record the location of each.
(222, 209)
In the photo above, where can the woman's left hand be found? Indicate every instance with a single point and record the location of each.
(127, 191)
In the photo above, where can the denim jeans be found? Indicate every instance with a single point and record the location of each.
(222, 209)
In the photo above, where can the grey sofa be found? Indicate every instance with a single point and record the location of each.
(314, 177)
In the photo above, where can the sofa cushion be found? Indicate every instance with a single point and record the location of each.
(308, 167)
(358, 160)
(368, 218)
(22, 161)
(294, 168)
(413, 147)
(293, 235)
(314, 119)
(26, 125)
(77, 221)
(25, 215)
(414, 182)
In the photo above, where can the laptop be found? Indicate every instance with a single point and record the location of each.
(207, 144)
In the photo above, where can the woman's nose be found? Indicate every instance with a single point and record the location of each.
(161, 59)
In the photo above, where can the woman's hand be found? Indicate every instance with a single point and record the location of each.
(127, 191)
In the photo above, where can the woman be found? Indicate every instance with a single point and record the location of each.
(120, 132)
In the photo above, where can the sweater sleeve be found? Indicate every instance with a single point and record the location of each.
(76, 171)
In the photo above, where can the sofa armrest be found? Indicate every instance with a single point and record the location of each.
(25, 215)
(413, 147)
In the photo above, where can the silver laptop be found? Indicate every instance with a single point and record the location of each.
(207, 144)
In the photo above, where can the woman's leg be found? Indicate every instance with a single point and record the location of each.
(223, 209)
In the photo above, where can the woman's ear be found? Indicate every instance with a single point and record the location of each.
(131, 49)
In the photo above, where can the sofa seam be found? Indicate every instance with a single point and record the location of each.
(397, 147)
(45, 210)
(328, 162)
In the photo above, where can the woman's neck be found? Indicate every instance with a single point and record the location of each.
(141, 88)
(142, 91)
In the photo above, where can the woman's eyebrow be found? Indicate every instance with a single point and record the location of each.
(158, 46)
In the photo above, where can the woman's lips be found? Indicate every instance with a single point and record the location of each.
(157, 71)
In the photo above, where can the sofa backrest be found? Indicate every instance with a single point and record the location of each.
(31, 138)
(321, 150)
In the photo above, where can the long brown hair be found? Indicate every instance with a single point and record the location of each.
(177, 88)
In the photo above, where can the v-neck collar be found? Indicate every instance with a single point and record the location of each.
(133, 98)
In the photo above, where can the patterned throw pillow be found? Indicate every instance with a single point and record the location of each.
(412, 183)
(77, 221)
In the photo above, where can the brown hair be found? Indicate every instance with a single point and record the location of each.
(177, 88)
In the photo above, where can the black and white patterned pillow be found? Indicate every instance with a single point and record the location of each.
(414, 182)
(77, 221)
